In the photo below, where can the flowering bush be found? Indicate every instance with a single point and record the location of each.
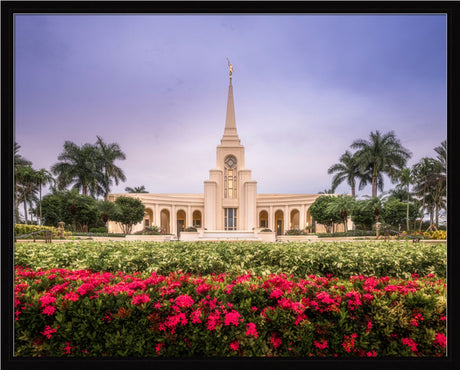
(82, 313)
(22, 229)
(295, 232)
(343, 259)
(438, 234)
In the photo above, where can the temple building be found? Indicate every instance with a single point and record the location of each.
(229, 207)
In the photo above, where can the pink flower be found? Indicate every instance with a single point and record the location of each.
(48, 332)
(196, 316)
(442, 318)
(234, 346)
(440, 340)
(71, 296)
(232, 317)
(213, 320)
(184, 300)
(251, 330)
(48, 310)
(321, 345)
(371, 354)
(67, 348)
(158, 347)
(47, 299)
(276, 342)
(203, 288)
(254, 308)
(140, 299)
(410, 343)
(276, 293)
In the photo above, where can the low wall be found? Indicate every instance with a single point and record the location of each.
(189, 236)
(267, 236)
(156, 238)
(297, 238)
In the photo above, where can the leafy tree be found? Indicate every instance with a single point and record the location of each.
(109, 153)
(321, 214)
(404, 177)
(74, 209)
(343, 205)
(136, 189)
(382, 154)
(79, 165)
(130, 211)
(348, 169)
(367, 211)
(394, 212)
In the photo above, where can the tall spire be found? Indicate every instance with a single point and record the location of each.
(230, 135)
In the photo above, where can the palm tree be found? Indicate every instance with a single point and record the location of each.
(27, 186)
(427, 182)
(19, 161)
(109, 153)
(42, 177)
(136, 189)
(344, 206)
(107, 209)
(441, 187)
(383, 154)
(405, 179)
(348, 169)
(79, 165)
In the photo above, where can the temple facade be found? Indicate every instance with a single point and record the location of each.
(230, 206)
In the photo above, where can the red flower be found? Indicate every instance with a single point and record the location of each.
(234, 346)
(48, 310)
(49, 331)
(140, 299)
(440, 340)
(276, 342)
(251, 330)
(158, 347)
(232, 318)
(321, 345)
(184, 300)
(410, 343)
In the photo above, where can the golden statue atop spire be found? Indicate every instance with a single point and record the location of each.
(231, 68)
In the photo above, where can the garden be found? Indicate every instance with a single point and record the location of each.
(240, 299)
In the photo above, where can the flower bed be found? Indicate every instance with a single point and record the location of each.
(92, 314)
(343, 259)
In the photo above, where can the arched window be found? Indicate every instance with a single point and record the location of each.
(263, 219)
(230, 184)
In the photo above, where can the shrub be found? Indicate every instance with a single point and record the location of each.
(181, 315)
(439, 234)
(129, 211)
(343, 259)
(266, 230)
(100, 230)
(191, 229)
(295, 232)
(22, 229)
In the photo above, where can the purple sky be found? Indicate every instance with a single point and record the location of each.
(305, 87)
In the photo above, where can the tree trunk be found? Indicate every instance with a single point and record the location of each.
(25, 210)
(40, 221)
(353, 191)
(85, 189)
(16, 205)
(374, 186)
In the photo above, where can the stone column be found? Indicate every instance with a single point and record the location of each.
(287, 218)
(271, 216)
(189, 217)
(157, 215)
(174, 219)
(302, 217)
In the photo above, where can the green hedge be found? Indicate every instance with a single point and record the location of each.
(66, 313)
(342, 259)
(22, 229)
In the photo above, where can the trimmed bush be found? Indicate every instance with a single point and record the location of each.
(22, 229)
(98, 230)
(342, 259)
(66, 313)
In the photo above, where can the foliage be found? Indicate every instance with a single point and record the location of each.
(348, 169)
(347, 234)
(266, 230)
(130, 211)
(321, 214)
(191, 229)
(23, 229)
(180, 315)
(382, 154)
(80, 211)
(97, 230)
(394, 212)
(342, 206)
(438, 234)
(149, 230)
(295, 232)
(343, 259)
(136, 189)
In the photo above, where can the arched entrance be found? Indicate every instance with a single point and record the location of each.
(180, 221)
(279, 222)
(197, 219)
(295, 215)
(165, 226)
(263, 219)
(309, 220)
(148, 218)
